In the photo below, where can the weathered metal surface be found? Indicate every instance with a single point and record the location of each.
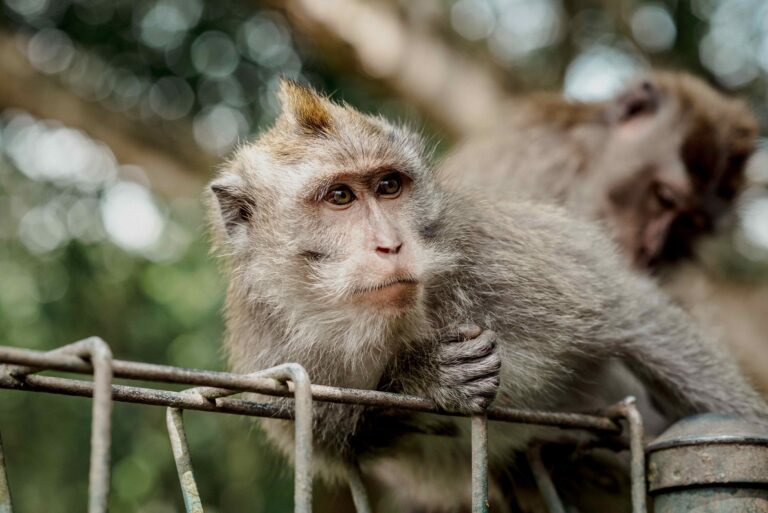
(180, 448)
(713, 500)
(212, 394)
(709, 463)
(302, 460)
(357, 489)
(244, 383)
(480, 464)
(5, 491)
(94, 353)
(544, 480)
(302, 410)
(627, 409)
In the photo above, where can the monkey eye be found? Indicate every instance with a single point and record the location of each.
(665, 196)
(339, 196)
(390, 186)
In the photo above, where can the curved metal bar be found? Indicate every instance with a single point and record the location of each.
(175, 422)
(357, 488)
(302, 389)
(627, 409)
(302, 491)
(99, 355)
(99, 362)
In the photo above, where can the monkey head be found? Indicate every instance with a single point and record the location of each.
(672, 164)
(328, 206)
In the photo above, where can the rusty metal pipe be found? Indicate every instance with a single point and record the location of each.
(240, 382)
(150, 396)
(479, 464)
(357, 489)
(543, 480)
(627, 409)
(180, 448)
(5, 492)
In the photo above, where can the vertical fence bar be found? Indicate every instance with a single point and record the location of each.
(627, 409)
(636, 434)
(357, 488)
(302, 492)
(5, 491)
(480, 464)
(101, 428)
(178, 437)
(544, 481)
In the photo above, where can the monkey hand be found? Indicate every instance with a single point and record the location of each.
(468, 370)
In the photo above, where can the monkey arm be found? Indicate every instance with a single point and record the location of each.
(685, 368)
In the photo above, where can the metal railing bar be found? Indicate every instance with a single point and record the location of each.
(302, 459)
(303, 444)
(178, 437)
(5, 492)
(149, 396)
(627, 409)
(357, 489)
(480, 464)
(302, 388)
(241, 382)
(543, 480)
(100, 356)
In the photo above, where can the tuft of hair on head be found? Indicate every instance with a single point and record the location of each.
(305, 108)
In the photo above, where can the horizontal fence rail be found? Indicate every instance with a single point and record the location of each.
(213, 390)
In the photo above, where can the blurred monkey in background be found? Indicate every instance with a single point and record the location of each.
(659, 165)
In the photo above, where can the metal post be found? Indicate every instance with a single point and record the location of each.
(175, 423)
(5, 491)
(479, 464)
(302, 491)
(357, 488)
(627, 409)
(544, 481)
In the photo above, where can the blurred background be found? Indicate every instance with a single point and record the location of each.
(114, 113)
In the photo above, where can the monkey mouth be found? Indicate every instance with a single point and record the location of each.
(407, 281)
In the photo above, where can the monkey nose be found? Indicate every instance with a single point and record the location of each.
(393, 248)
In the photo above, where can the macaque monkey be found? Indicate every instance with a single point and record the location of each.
(658, 165)
(348, 255)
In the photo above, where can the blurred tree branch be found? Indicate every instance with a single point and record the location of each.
(174, 163)
(455, 89)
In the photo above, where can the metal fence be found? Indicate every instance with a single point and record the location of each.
(214, 390)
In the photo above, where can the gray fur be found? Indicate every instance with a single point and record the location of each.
(555, 300)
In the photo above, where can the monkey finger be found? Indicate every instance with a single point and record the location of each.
(469, 331)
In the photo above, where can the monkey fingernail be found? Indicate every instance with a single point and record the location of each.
(469, 331)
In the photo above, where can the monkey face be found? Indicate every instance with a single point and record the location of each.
(359, 241)
(673, 166)
(330, 207)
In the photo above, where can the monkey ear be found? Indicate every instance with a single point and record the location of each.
(640, 99)
(305, 107)
(232, 203)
